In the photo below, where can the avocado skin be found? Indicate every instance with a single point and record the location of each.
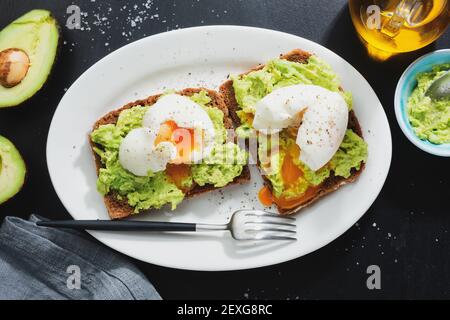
(11, 158)
(53, 64)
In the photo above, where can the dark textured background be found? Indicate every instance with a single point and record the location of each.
(405, 231)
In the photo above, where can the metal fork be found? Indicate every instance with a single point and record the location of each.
(243, 225)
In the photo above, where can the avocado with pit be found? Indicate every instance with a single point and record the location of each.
(28, 49)
(12, 170)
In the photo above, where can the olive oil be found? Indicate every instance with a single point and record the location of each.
(388, 27)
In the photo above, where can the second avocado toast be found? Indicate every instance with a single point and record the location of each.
(121, 194)
(348, 162)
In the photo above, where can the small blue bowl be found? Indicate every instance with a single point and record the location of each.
(405, 86)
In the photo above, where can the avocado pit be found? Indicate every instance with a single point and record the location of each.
(14, 65)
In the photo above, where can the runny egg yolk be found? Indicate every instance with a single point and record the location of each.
(183, 138)
(177, 173)
(267, 198)
(248, 117)
(184, 141)
(290, 174)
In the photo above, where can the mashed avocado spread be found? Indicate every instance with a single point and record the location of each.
(430, 119)
(277, 73)
(156, 189)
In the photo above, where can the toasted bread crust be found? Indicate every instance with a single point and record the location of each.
(333, 182)
(119, 209)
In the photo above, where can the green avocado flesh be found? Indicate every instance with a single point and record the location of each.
(430, 118)
(37, 34)
(278, 73)
(12, 170)
(156, 189)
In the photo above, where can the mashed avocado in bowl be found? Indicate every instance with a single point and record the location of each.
(424, 121)
(158, 189)
(430, 118)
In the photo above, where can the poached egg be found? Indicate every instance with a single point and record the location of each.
(321, 116)
(175, 130)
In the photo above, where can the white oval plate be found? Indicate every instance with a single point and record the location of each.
(193, 57)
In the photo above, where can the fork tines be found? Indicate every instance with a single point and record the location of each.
(270, 226)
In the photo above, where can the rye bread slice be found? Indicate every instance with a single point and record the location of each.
(333, 182)
(119, 209)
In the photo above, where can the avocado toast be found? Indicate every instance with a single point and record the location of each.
(242, 92)
(126, 194)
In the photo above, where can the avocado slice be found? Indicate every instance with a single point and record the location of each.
(12, 170)
(29, 46)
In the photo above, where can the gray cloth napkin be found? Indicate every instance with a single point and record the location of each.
(46, 263)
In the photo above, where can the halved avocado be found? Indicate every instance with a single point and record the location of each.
(12, 170)
(28, 48)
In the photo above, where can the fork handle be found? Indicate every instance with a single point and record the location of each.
(108, 225)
